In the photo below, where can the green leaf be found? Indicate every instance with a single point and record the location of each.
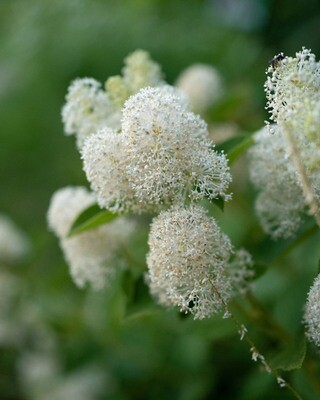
(239, 149)
(291, 357)
(229, 105)
(259, 270)
(269, 250)
(91, 218)
(140, 315)
(235, 146)
(219, 202)
(230, 143)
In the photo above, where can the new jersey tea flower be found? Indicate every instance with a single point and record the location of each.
(162, 156)
(87, 109)
(312, 312)
(188, 262)
(91, 255)
(280, 201)
(202, 84)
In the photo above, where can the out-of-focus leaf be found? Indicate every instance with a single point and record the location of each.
(239, 149)
(91, 218)
(141, 314)
(230, 143)
(224, 109)
(259, 270)
(219, 202)
(269, 250)
(235, 146)
(291, 357)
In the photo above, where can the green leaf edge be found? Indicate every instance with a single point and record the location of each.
(284, 360)
(91, 218)
(235, 146)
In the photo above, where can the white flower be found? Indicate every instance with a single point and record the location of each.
(168, 154)
(293, 93)
(141, 71)
(87, 109)
(280, 201)
(240, 272)
(105, 166)
(312, 312)
(41, 377)
(13, 243)
(187, 262)
(162, 156)
(38, 372)
(86, 383)
(202, 84)
(91, 255)
(65, 205)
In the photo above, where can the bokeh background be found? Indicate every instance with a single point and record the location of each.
(44, 44)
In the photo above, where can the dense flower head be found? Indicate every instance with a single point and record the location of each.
(162, 156)
(65, 205)
(312, 312)
(188, 262)
(140, 71)
(87, 109)
(168, 153)
(13, 243)
(91, 255)
(280, 201)
(293, 94)
(104, 164)
(240, 272)
(293, 100)
(202, 84)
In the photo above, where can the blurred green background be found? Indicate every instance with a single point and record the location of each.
(44, 44)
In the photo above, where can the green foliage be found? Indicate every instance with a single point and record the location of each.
(91, 218)
(291, 357)
(235, 147)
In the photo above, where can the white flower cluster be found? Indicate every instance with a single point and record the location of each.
(41, 377)
(140, 71)
(13, 243)
(162, 156)
(312, 312)
(90, 255)
(202, 84)
(280, 200)
(285, 165)
(89, 108)
(189, 262)
(159, 155)
(293, 93)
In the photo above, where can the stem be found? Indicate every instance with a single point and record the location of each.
(256, 355)
(257, 319)
(305, 182)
